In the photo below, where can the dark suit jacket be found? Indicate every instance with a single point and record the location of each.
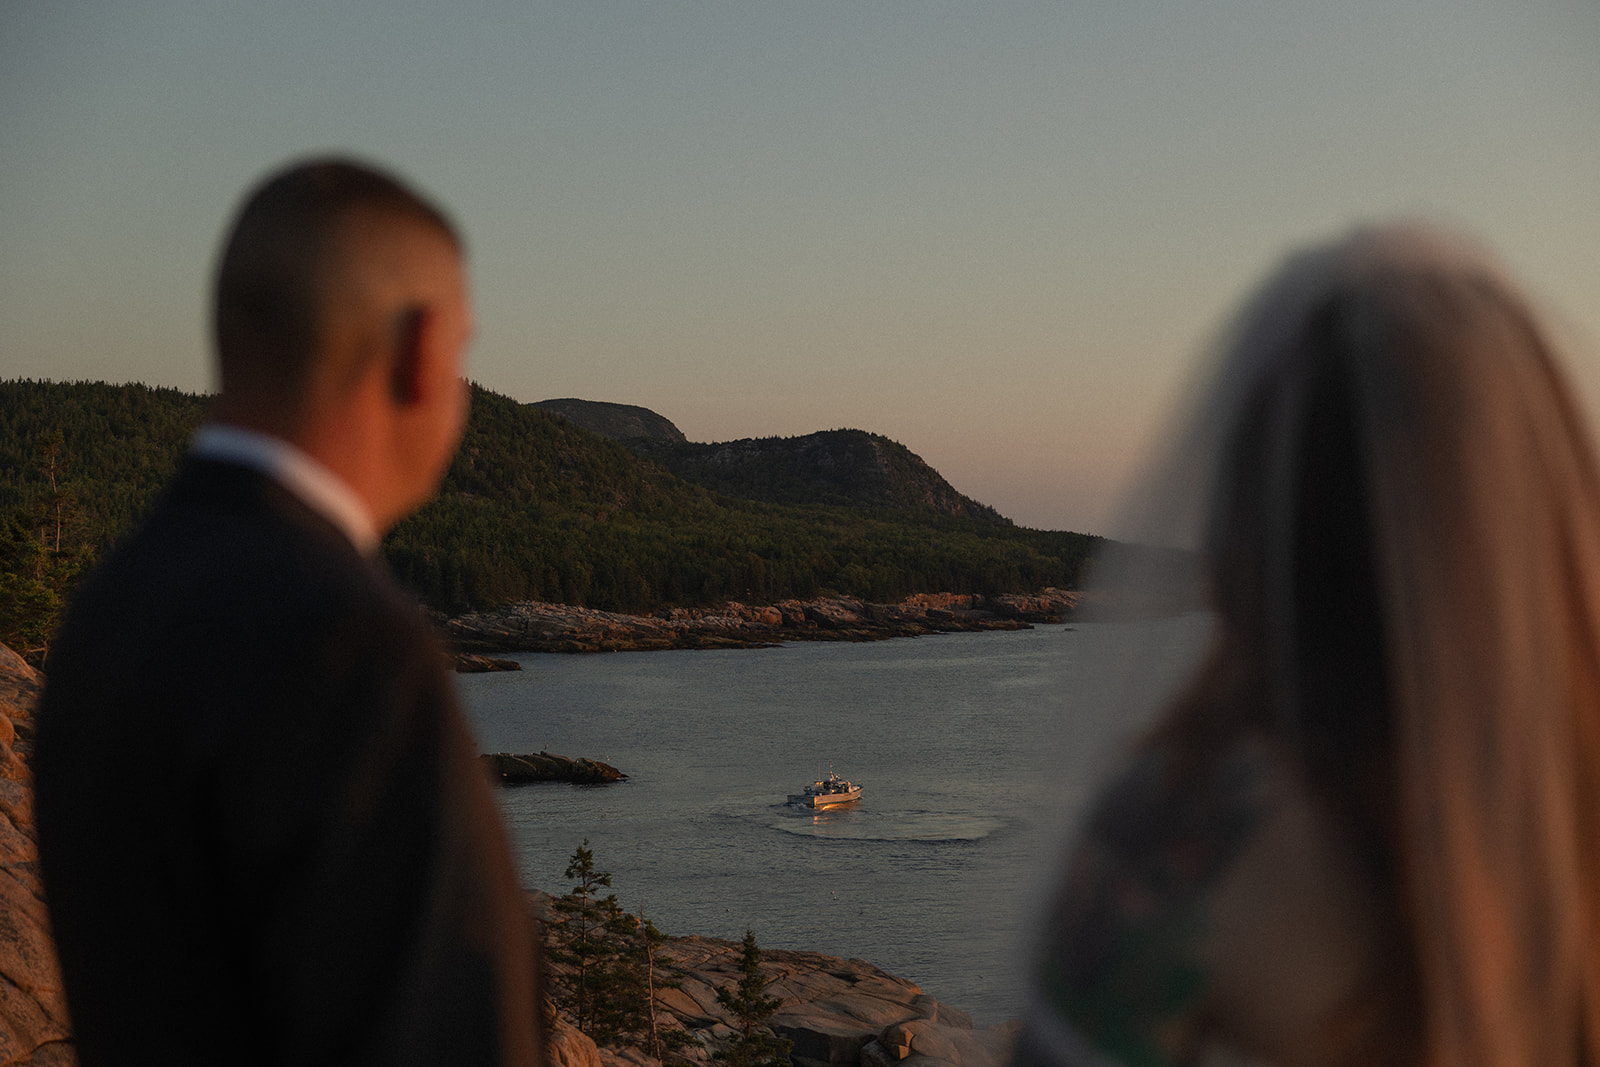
(264, 834)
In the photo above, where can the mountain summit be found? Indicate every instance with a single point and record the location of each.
(841, 468)
(834, 468)
(620, 422)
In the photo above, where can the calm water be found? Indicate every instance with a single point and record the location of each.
(971, 749)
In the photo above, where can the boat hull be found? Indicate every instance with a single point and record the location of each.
(825, 800)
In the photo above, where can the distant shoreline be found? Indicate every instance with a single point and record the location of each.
(532, 626)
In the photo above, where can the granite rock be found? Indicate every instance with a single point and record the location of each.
(472, 663)
(548, 767)
(570, 1047)
(836, 1012)
(34, 1028)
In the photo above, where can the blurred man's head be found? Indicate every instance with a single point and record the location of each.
(341, 304)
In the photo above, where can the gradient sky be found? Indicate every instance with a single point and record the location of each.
(999, 233)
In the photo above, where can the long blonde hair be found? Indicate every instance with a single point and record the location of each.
(1460, 493)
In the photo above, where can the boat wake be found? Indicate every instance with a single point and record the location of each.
(886, 825)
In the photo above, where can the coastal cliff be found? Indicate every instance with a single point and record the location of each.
(538, 627)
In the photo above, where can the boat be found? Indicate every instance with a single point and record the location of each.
(830, 792)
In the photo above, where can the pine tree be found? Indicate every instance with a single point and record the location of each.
(38, 567)
(29, 601)
(751, 1007)
(585, 941)
(620, 1005)
(60, 503)
(650, 964)
(615, 965)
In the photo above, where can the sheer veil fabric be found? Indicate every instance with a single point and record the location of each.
(1481, 564)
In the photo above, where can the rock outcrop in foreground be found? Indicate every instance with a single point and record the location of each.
(837, 1012)
(537, 627)
(33, 1008)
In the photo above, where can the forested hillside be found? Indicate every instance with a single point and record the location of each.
(78, 463)
(533, 508)
(107, 448)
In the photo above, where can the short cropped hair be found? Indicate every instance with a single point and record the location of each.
(272, 275)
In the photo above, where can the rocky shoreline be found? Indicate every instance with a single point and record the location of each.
(837, 1012)
(539, 627)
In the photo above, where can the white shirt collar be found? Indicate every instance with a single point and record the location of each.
(317, 487)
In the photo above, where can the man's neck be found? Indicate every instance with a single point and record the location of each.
(316, 486)
(347, 439)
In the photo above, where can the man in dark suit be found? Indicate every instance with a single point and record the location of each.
(264, 834)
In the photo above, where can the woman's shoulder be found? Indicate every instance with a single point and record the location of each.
(1154, 937)
(1295, 929)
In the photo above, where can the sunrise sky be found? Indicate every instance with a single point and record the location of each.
(999, 233)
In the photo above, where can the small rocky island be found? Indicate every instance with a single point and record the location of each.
(471, 663)
(548, 767)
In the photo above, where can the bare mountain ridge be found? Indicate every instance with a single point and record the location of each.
(620, 422)
(845, 468)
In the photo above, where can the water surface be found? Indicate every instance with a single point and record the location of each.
(972, 749)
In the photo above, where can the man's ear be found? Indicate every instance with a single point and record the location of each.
(407, 368)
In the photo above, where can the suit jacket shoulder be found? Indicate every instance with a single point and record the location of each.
(252, 716)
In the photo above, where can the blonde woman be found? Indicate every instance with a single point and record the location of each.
(1367, 830)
